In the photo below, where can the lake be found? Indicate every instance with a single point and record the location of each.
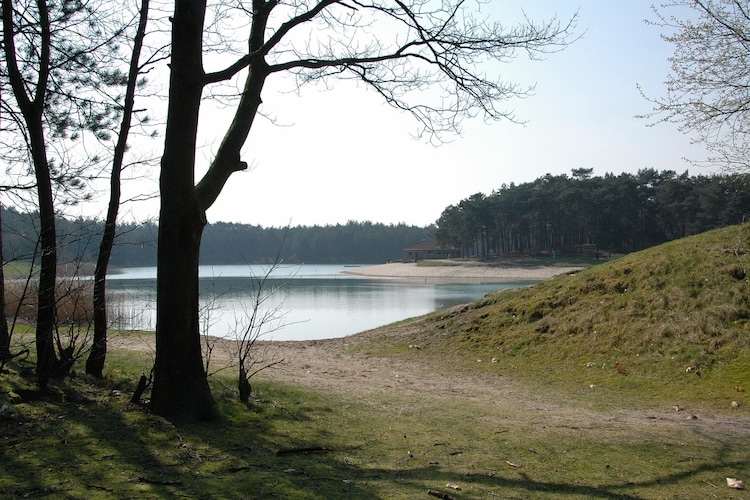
(300, 302)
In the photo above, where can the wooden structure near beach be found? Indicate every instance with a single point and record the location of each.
(429, 249)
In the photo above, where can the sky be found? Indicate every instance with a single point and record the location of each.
(340, 154)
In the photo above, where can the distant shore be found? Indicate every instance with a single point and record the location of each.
(462, 270)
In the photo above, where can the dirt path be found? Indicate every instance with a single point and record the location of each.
(330, 365)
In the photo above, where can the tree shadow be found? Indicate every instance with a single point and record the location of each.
(76, 445)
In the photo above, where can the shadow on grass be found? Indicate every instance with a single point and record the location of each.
(93, 444)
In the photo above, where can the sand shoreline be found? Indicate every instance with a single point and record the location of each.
(456, 270)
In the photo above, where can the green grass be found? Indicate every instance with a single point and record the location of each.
(89, 442)
(581, 428)
(17, 269)
(653, 313)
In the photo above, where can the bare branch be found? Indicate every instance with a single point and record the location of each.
(446, 49)
(708, 89)
(229, 72)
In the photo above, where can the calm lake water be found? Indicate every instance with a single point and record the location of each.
(301, 302)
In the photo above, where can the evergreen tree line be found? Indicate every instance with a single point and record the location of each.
(222, 243)
(583, 214)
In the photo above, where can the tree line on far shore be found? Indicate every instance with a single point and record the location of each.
(584, 214)
(578, 214)
(222, 243)
(569, 215)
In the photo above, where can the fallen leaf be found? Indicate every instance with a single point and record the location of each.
(735, 483)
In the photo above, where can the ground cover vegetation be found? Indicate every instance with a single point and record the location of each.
(625, 380)
(582, 214)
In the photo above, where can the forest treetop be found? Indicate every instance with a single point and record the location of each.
(582, 213)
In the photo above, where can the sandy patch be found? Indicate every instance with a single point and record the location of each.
(463, 270)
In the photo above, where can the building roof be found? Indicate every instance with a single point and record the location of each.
(424, 245)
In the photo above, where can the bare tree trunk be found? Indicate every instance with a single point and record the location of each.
(180, 387)
(45, 319)
(32, 111)
(4, 333)
(243, 385)
(95, 361)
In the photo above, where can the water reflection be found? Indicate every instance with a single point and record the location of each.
(312, 302)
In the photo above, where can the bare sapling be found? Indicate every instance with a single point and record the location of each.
(260, 320)
(74, 324)
(261, 315)
(208, 320)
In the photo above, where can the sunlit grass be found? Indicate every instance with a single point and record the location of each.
(642, 321)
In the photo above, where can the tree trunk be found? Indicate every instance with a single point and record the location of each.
(243, 385)
(180, 387)
(98, 353)
(95, 361)
(33, 111)
(45, 320)
(4, 333)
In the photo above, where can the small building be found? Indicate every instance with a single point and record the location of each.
(428, 249)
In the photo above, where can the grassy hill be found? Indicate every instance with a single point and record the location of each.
(674, 320)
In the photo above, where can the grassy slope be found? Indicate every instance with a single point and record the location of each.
(654, 313)
(638, 322)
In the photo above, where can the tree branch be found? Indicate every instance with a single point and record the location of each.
(229, 72)
(286, 27)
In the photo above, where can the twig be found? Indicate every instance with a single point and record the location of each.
(243, 468)
(308, 449)
(439, 494)
(101, 488)
(159, 482)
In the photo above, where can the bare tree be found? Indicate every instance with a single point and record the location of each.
(259, 320)
(425, 57)
(708, 89)
(255, 320)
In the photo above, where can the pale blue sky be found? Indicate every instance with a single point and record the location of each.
(342, 154)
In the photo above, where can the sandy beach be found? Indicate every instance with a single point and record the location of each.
(463, 270)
